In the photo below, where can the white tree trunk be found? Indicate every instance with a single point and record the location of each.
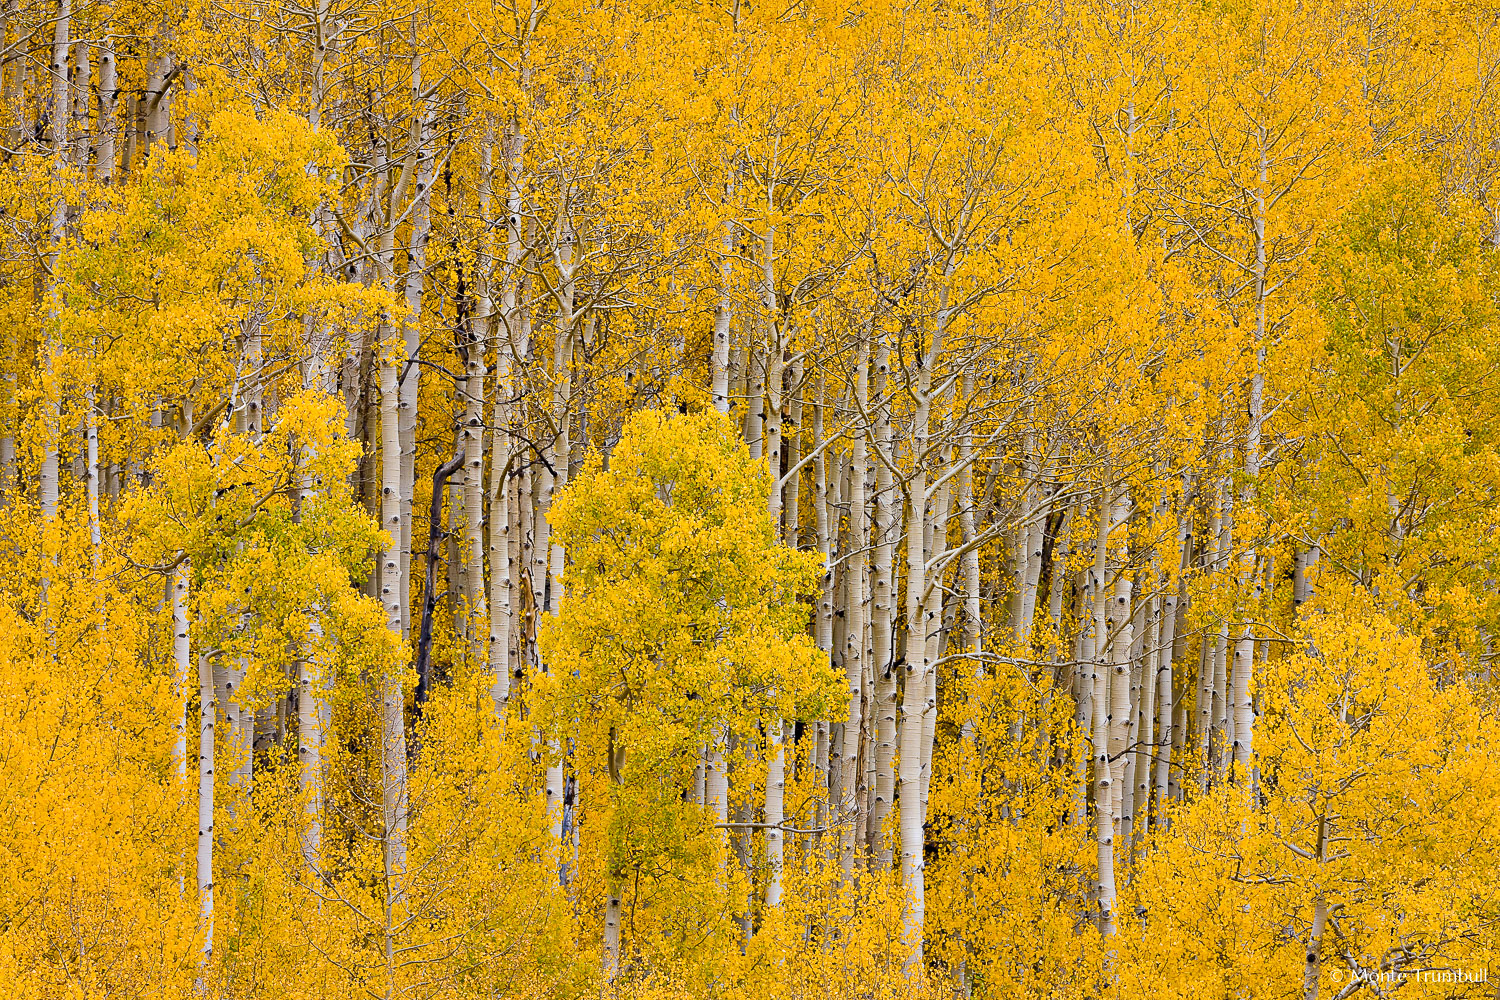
(392, 590)
(1121, 630)
(888, 514)
(723, 314)
(48, 484)
(937, 544)
(410, 377)
(918, 665)
(505, 534)
(501, 564)
(91, 416)
(104, 148)
(611, 936)
(207, 703)
(1244, 654)
(473, 432)
(914, 702)
(775, 812)
(181, 661)
(791, 514)
(755, 399)
(554, 480)
(310, 743)
(1168, 732)
(1145, 737)
(849, 808)
(1104, 828)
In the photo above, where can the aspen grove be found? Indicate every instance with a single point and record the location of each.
(808, 501)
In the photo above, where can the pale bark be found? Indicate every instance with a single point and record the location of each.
(477, 613)
(775, 367)
(723, 313)
(252, 419)
(755, 399)
(918, 664)
(1243, 737)
(557, 479)
(392, 592)
(81, 75)
(500, 568)
(865, 794)
(821, 809)
(824, 628)
(936, 544)
(156, 111)
(775, 811)
(505, 539)
(104, 148)
(912, 705)
(227, 686)
(1313, 967)
(562, 363)
(1203, 709)
(1104, 832)
(699, 793)
(1119, 632)
(854, 624)
(1169, 733)
(838, 580)
(738, 370)
(611, 936)
(310, 743)
(792, 493)
(1242, 714)
(888, 512)
(1058, 581)
(51, 422)
(181, 662)
(1206, 658)
(1149, 667)
(91, 433)
(1083, 679)
(207, 703)
(409, 386)
(969, 570)
(716, 781)
(553, 791)
(1165, 734)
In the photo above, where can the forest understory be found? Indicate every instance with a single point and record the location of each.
(824, 501)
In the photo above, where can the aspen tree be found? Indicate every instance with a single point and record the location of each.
(474, 402)
(888, 527)
(1104, 797)
(207, 710)
(181, 661)
(48, 484)
(914, 707)
(392, 697)
(1118, 634)
(849, 809)
(1167, 728)
(419, 163)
